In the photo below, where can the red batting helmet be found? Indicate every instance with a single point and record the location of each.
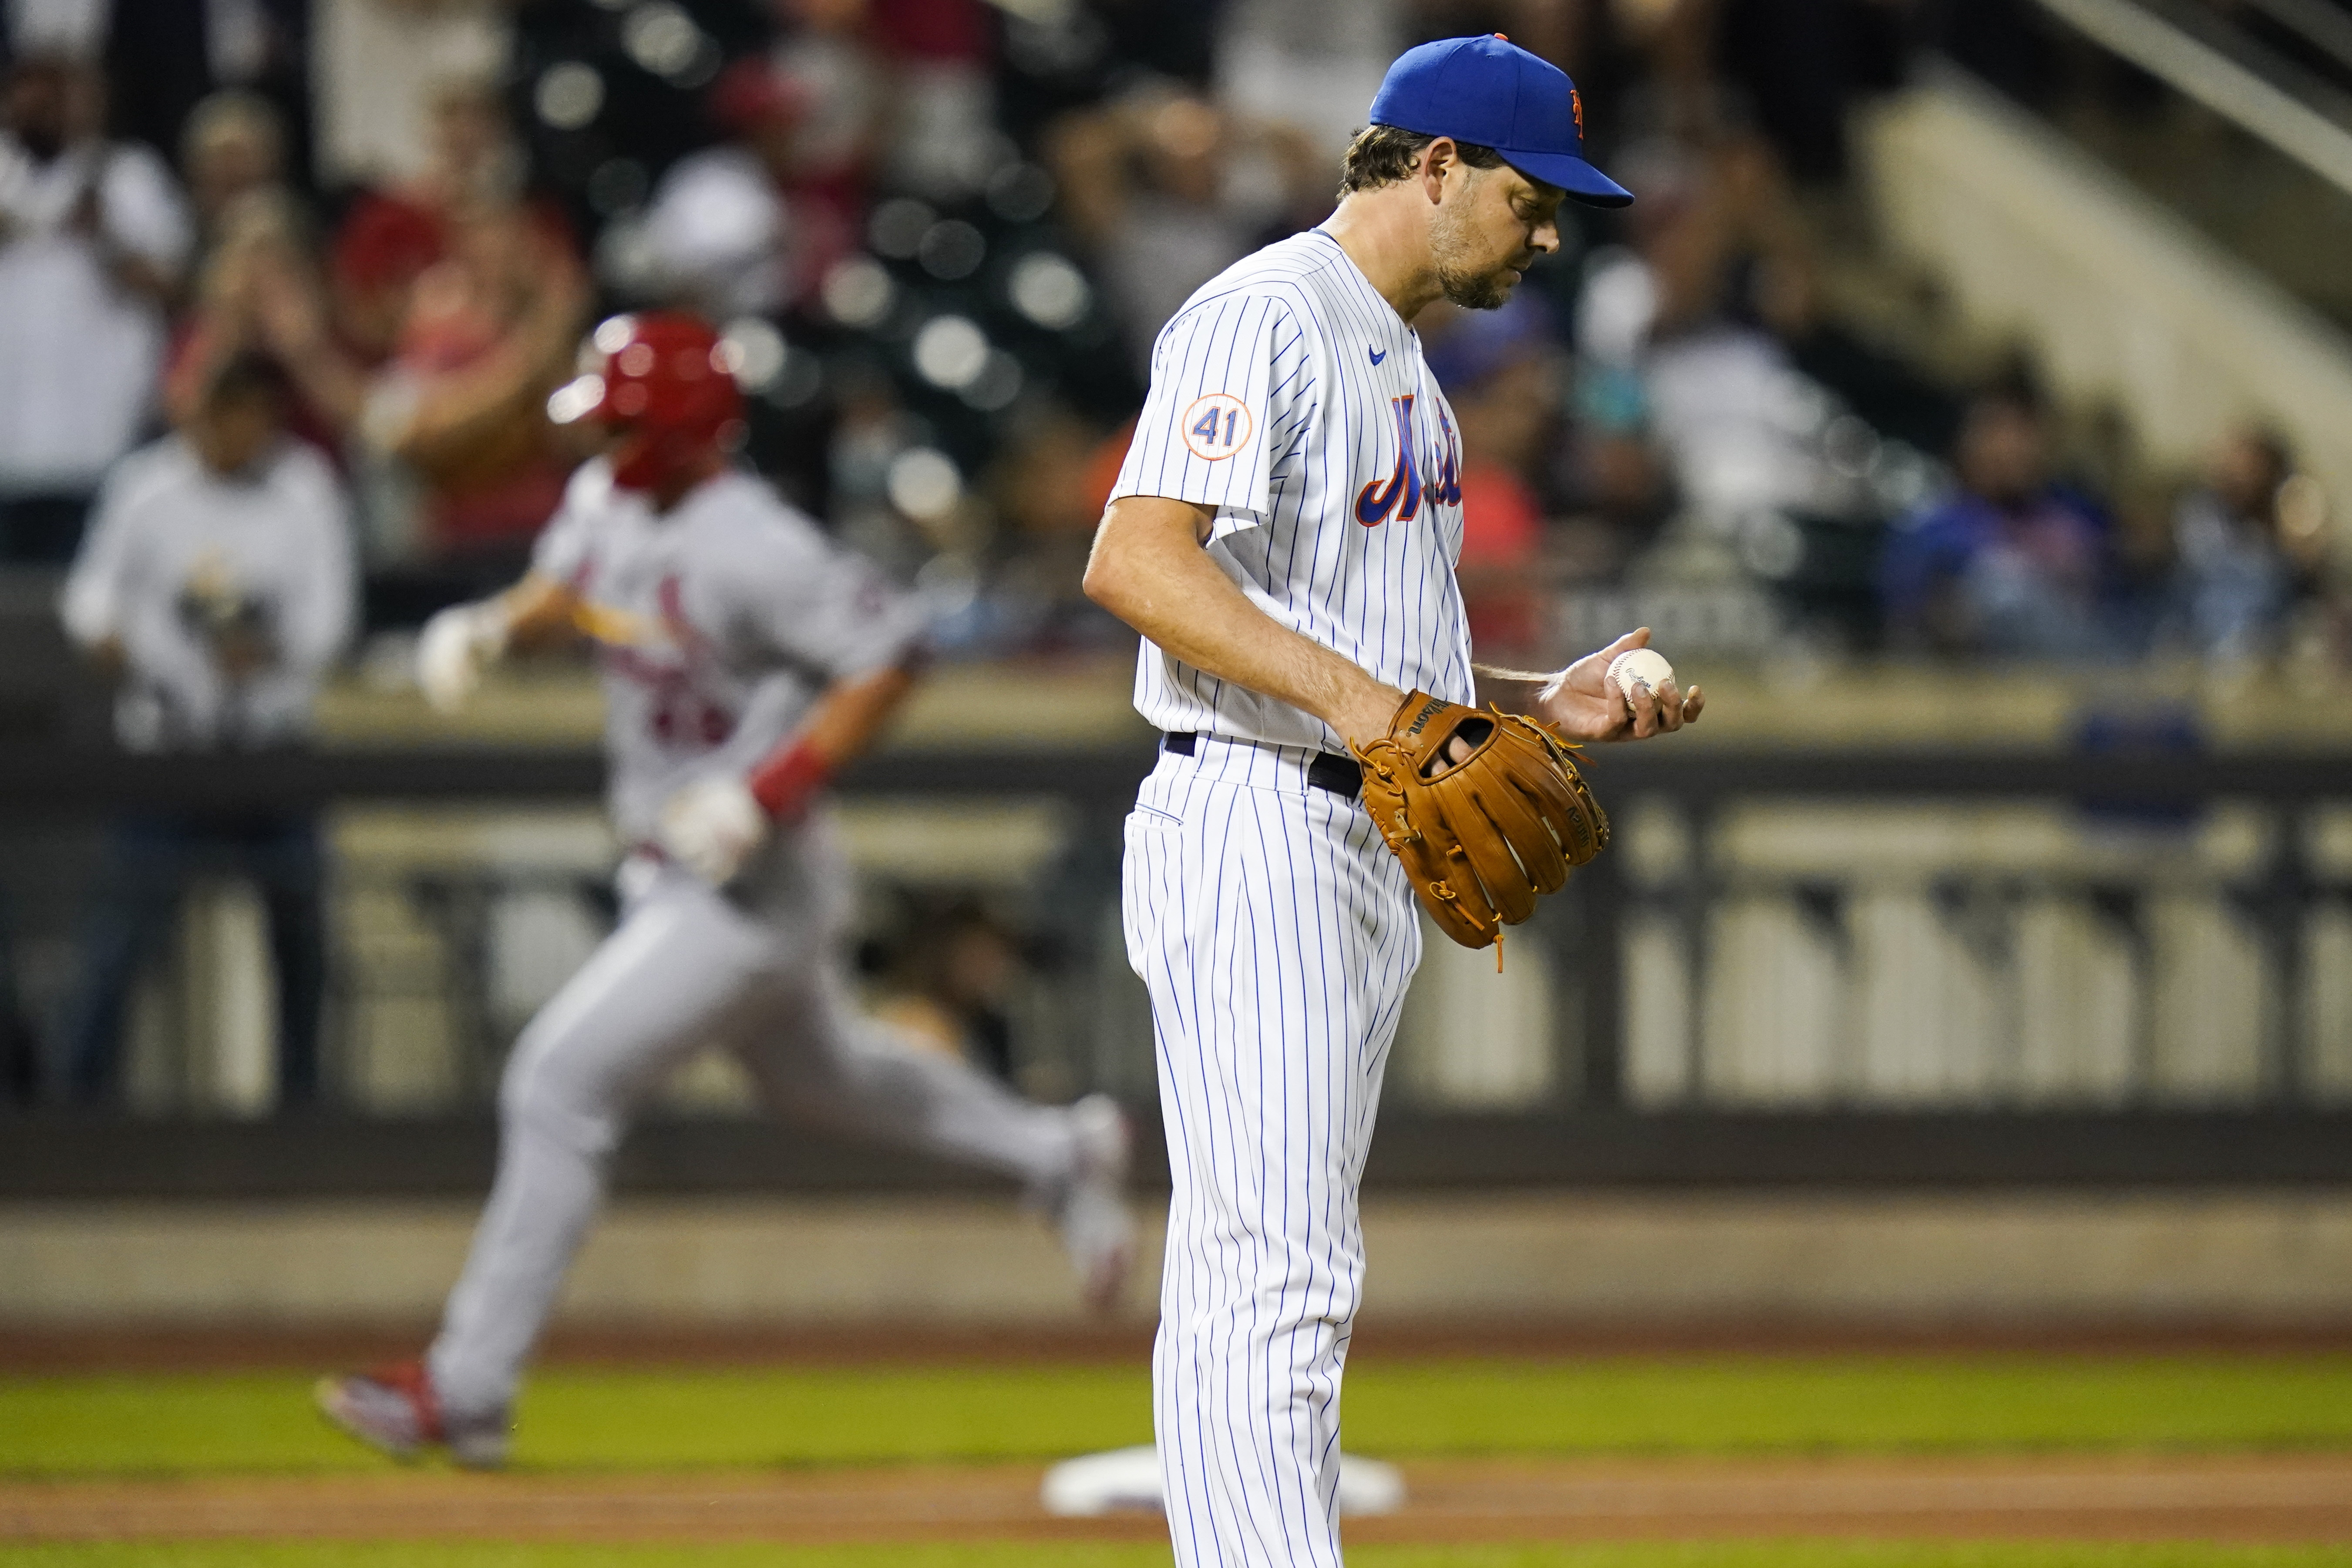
(665, 382)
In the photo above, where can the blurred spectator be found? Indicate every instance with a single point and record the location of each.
(1315, 63)
(1501, 370)
(216, 584)
(1167, 190)
(376, 64)
(942, 139)
(234, 151)
(163, 57)
(1049, 489)
(455, 309)
(397, 228)
(93, 238)
(1797, 65)
(1717, 390)
(75, 29)
(952, 986)
(900, 88)
(2248, 545)
(726, 235)
(1619, 489)
(872, 431)
(833, 70)
(489, 333)
(2010, 563)
(251, 231)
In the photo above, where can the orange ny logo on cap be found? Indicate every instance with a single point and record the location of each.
(1576, 108)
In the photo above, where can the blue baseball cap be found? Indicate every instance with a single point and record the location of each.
(1490, 93)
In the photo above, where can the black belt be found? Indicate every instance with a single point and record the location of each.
(1330, 771)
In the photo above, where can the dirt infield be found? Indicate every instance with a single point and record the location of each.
(2276, 1498)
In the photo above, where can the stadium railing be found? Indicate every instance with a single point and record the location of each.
(1949, 968)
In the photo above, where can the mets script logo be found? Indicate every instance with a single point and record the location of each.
(1400, 494)
(1216, 427)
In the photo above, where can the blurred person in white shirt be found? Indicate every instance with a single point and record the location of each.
(216, 585)
(722, 235)
(92, 239)
(2250, 543)
(374, 66)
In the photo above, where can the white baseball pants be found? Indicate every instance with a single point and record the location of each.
(1277, 935)
(753, 970)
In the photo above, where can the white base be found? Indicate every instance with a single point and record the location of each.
(1127, 1480)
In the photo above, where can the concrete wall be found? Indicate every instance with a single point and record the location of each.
(2091, 1259)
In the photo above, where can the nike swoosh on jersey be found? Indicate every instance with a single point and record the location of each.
(1378, 354)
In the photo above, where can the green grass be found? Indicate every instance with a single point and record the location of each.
(628, 1419)
(687, 1420)
(1755, 1404)
(1640, 1555)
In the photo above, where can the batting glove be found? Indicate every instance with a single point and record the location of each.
(453, 652)
(713, 826)
(454, 649)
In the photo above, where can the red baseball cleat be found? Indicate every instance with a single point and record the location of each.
(1091, 1209)
(395, 1410)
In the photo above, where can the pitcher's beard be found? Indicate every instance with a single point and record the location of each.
(1476, 291)
(1461, 283)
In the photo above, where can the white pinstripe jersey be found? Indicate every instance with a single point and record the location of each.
(1288, 395)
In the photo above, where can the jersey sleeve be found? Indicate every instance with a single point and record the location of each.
(1229, 377)
(826, 611)
(560, 554)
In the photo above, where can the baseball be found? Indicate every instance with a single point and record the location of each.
(1644, 666)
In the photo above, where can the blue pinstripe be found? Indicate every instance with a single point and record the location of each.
(1288, 331)
(1277, 936)
(1275, 931)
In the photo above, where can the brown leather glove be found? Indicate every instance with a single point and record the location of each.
(1482, 836)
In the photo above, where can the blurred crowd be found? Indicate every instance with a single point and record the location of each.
(943, 234)
(285, 286)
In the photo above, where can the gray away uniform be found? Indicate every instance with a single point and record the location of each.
(718, 625)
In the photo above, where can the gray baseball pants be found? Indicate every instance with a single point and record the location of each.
(753, 970)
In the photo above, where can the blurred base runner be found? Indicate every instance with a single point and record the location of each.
(744, 660)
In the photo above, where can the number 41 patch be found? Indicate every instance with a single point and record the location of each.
(1216, 427)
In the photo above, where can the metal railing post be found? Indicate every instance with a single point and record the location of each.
(1600, 963)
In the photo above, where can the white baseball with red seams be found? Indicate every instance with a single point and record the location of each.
(1644, 667)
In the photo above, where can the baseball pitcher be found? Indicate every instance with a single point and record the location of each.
(1283, 534)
